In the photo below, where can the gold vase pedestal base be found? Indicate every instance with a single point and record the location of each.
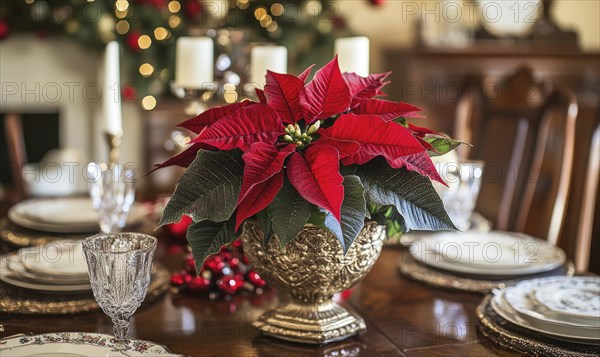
(312, 268)
(310, 323)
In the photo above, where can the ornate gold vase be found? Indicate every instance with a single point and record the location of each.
(311, 269)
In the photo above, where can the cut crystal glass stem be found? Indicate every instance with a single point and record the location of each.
(112, 190)
(119, 266)
(120, 329)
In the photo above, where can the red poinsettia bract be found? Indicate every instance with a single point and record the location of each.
(306, 131)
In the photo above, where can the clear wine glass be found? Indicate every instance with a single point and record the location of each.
(464, 182)
(112, 190)
(119, 266)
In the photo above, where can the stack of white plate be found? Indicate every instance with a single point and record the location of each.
(55, 267)
(564, 308)
(63, 215)
(491, 255)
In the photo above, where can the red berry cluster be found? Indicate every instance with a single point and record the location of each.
(223, 274)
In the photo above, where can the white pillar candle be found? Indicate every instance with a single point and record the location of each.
(112, 91)
(353, 54)
(194, 62)
(217, 8)
(263, 58)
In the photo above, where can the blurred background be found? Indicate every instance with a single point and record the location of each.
(520, 80)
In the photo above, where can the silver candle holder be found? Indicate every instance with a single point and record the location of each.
(196, 98)
(114, 144)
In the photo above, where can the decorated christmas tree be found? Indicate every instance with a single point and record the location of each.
(148, 29)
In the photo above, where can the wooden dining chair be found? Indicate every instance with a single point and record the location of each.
(17, 155)
(589, 209)
(524, 130)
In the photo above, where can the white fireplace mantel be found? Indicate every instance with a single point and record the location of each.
(57, 74)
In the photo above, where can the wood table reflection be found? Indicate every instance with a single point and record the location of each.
(404, 318)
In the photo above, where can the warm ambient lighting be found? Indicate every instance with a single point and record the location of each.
(260, 12)
(229, 95)
(277, 9)
(266, 21)
(144, 41)
(174, 6)
(122, 5)
(174, 21)
(149, 102)
(146, 69)
(122, 27)
(161, 33)
(272, 27)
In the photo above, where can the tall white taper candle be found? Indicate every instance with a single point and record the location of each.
(263, 58)
(194, 62)
(113, 123)
(353, 54)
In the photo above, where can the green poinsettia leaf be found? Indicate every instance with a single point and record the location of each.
(354, 211)
(206, 238)
(288, 213)
(401, 121)
(317, 218)
(348, 170)
(441, 144)
(264, 221)
(410, 193)
(380, 218)
(394, 223)
(208, 189)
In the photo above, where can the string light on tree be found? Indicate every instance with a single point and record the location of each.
(144, 42)
(146, 69)
(161, 33)
(149, 102)
(174, 6)
(146, 29)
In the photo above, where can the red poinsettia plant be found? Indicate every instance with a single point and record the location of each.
(327, 152)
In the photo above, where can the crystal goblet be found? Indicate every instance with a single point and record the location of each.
(112, 190)
(464, 182)
(119, 266)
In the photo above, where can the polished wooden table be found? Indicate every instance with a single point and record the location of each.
(404, 318)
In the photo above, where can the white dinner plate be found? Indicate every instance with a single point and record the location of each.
(575, 296)
(57, 259)
(521, 298)
(571, 334)
(15, 267)
(63, 215)
(488, 254)
(16, 280)
(67, 344)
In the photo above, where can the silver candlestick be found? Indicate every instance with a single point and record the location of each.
(114, 143)
(196, 98)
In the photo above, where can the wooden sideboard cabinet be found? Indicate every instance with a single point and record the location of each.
(435, 78)
(160, 130)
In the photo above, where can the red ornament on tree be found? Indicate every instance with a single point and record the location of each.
(377, 2)
(128, 93)
(193, 9)
(4, 29)
(132, 41)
